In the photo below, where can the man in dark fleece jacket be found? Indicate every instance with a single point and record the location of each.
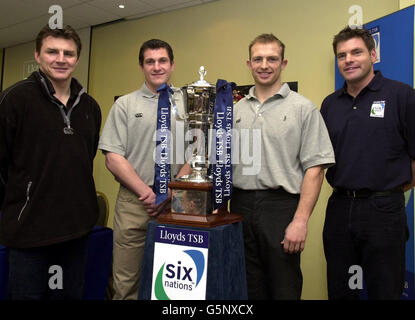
(49, 130)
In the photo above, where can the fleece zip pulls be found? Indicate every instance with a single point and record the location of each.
(27, 199)
(2, 180)
(66, 116)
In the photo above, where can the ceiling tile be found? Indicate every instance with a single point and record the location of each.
(20, 20)
(131, 6)
(166, 3)
(22, 32)
(90, 14)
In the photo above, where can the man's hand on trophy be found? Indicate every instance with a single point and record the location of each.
(149, 198)
(185, 170)
(165, 206)
(149, 203)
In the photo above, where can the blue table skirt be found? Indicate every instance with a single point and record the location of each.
(226, 278)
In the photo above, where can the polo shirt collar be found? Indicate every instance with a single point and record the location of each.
(282, 93)
(146, 92)
(373, 85)
(150, 94)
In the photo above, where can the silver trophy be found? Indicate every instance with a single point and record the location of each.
(192, 195)
(199, 102)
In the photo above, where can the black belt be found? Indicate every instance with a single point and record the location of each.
(264, 191)
(365, 193)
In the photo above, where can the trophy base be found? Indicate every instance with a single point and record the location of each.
(192, 206)
(198, 220)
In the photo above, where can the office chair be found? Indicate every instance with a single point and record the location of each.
(103, 209)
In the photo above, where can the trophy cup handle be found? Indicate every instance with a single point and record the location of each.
(177, 115)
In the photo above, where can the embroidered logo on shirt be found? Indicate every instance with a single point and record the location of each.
(378, 109)
(138, 115)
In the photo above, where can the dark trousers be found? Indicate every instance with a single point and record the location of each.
(369, 233)
(54, 272)
(271, 273)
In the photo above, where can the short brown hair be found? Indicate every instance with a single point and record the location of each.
(348, 33)
(67, 32)
(267, 38)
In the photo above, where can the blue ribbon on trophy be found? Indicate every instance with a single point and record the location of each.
(222, 141)
(163, 138)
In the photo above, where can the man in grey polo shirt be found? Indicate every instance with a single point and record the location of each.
(277, 189)
(128, 142)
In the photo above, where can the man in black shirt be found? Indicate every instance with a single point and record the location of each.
(371, 125)
(49, 131)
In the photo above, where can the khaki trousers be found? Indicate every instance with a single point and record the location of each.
(130, 227)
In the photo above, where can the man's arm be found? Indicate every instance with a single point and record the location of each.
(126, 175)
(7, 128)
(296, 232)
(410, 185)
(408, 122)
(98, 121)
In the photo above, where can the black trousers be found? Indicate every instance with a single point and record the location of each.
(271, 273)
(369, 233)
(54, 272)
